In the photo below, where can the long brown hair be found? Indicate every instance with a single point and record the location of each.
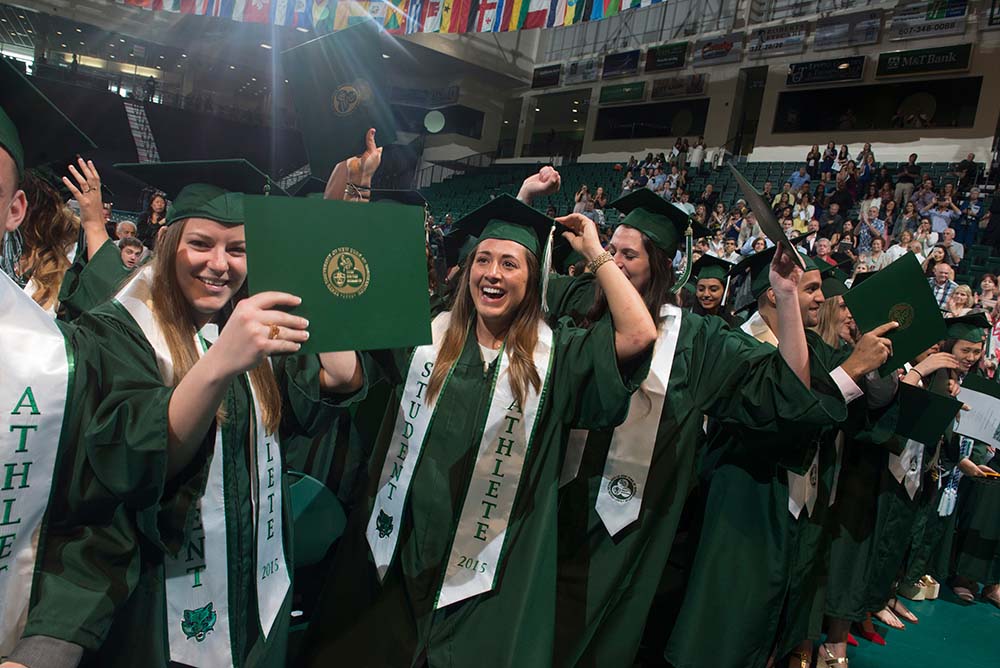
(48, 230)
(657, 293)
(173, 313)
(519, 342)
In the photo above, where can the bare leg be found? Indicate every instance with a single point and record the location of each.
(836, 637)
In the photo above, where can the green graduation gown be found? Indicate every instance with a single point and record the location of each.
(394, 623)
(977, 541)
(87, 564)
(750, 552)
(607, 585)
(88, 283)
(127, 440)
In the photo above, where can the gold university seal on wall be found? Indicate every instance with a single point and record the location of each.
(903, 314)
(345, 272)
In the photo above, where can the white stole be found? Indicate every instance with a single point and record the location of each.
(477, 545)
(35, 369)
(197, 580)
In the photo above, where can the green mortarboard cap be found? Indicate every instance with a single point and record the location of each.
(834, 280)
(658, 219)
(457, 248)
(761, 208)
(508, 218)
(32, 129)
(862, 277)
(709, 266)
(308, 186)
(339, 85)
(201, 200)
(969, 327)
(410, 197)
(235, 176)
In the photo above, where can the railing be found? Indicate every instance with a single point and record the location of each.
(438, 173)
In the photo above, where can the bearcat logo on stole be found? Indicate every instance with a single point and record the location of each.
(621, 488)
(346, 273)
(199, 623)
(348, 97)
(903, 314)
(383, 524)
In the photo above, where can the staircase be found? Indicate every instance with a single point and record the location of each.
(145, 144)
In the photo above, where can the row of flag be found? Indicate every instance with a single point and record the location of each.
(402, 16)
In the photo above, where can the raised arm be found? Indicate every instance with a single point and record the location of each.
(86, 190)
(546, 182)
(635, 330)
(785, 277)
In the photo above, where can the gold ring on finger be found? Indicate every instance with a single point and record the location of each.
(273, 333)
(87, 189)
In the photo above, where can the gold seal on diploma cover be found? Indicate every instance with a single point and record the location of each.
(903, 314)
(346, 99)
(346, 273)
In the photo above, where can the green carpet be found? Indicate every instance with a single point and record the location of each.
(950, 634)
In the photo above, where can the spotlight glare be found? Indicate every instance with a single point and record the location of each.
(265, 46)
(301, 29)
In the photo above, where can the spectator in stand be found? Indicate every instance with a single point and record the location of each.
(581, 199)
(781, 202)
(990, 222)
(961, 301)
(700, 213)
(867, 171)
(698, 155)
(628, 183)
(832, 216)
(875, 258)
(786, 190)
(719, 216)
(658, 183)
(927, 237)
(889, 214)
(968, 224)
(729, 252)
(673, 179)
(733, 227)
(804, 212)
(966, 171)
(953, 251)
(813, 159)
(829, 158)
(824, 250)
(684, 203)
(681, 151)
(766, 193)
(872, 227)
(908, 220)
(941, 284)
(807, 243)
(897, 251)
(849, 177)
(843, 157)
(989, 292)
(948, 191)
(799, 177)
(642, 180)
(846, 246)
(682, 180)
(934, 259)
(941, 211)
(842, 197)
(448, 222)
(886, 193)
(925, 195)
(633, 164)
(870, 199)
(865, 153)
(884, 180)
(131, 250)
(600, 199)
(708, 197)
(906, 177)
(152, 220)
(126, 229)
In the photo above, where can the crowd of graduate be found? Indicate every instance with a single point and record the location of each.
(578, 470)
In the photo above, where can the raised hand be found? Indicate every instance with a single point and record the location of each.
(582, 235)
(255, 330)
(546, 182)
(932, 363)
(86, 190)
(871, 352)
(785, 270)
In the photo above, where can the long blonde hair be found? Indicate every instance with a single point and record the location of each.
(173, 313)
(48, 230)
(519, 342)
(827, 326)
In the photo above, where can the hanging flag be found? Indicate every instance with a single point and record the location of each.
(489, 15)
(431, 18)
(537, 14)
(414, 17)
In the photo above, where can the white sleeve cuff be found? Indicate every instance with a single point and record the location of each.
(847, 386)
